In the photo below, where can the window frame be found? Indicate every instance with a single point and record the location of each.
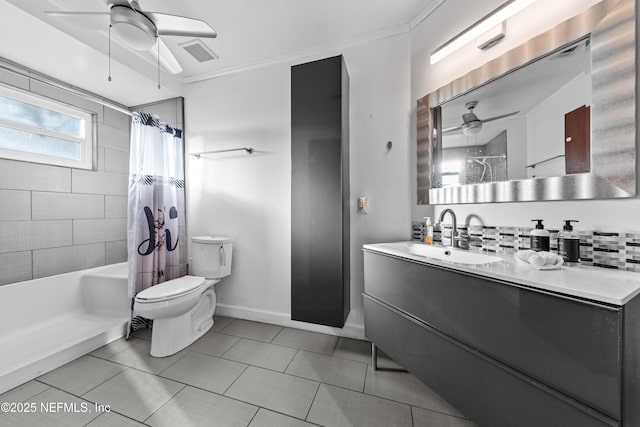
(87, 142)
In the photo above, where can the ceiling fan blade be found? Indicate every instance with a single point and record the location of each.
(85, 20)
(500, 117)
(172, 25)
(453, 129)
(167, 60)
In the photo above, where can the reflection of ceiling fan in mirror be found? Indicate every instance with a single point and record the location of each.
(471, 124)
(140, 29)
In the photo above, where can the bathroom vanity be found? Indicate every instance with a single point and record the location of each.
(506, 344)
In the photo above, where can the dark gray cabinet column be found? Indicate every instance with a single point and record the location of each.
(320, 192)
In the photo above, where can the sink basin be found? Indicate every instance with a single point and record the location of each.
(452, 254)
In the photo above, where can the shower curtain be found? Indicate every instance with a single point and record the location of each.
(156, 234)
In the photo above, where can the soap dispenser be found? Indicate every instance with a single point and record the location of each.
(569, 244)
(539, 237)
(428, 230)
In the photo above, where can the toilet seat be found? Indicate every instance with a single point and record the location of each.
(171, 289)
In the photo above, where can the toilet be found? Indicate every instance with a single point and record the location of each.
(182, 309)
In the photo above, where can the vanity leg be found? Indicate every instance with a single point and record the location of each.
(374, 357)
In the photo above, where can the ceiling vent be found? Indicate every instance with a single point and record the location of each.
(199, 50)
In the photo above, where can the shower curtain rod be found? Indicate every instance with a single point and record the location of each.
(12, 67)
(249, 150)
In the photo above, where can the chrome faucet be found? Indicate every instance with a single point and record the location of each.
(454, 229)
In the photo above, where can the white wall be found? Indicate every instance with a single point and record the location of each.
(453, 17)
(249, 196)
(545, 126)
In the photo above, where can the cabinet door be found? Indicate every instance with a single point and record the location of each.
(573, 346)
(488, 392)
(319, 188)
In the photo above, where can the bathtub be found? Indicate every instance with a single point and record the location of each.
(47, 322)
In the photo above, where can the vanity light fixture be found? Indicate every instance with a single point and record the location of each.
(485, 24)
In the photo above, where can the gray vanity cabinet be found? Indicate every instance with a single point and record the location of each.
(502, 353)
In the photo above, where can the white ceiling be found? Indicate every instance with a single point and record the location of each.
(250, 32)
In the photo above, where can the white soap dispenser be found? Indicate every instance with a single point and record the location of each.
(569, 244)
(539, 237)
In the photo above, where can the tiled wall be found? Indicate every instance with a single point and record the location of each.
(597, 248)
(56, 219)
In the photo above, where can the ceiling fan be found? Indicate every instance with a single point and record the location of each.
(140, 29)
(471, 124)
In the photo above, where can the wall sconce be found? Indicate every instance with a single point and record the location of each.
(485, 24)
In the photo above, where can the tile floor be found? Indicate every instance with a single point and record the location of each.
(241, 373)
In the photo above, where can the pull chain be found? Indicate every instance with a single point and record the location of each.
(109, 53)
(158, 41)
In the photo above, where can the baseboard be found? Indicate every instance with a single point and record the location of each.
(350, 330)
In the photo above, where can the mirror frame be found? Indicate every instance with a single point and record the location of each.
(612, 25)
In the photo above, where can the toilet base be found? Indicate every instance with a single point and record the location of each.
(171, 335)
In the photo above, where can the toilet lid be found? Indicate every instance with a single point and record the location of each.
(171, 288)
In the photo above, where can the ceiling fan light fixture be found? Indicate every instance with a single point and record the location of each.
(472, 127)
(133, 27)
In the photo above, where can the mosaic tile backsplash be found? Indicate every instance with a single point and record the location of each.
(599, 249)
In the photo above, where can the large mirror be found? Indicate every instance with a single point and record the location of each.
(553, 119)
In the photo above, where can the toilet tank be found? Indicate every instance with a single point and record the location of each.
(211, 256)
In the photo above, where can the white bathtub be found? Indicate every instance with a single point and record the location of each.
(45, 323)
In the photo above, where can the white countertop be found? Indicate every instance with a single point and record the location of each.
(598, 284)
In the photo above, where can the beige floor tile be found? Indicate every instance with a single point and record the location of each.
(220, 322)
(426, 418)
(306, 340)
(134, 393)
(204, 371)
(114, 347)
(81, 375)
(23, 392)
(63, 410)
(272, 390)
(252, 330)
(266, 418)
(214, 344)
(261, 354)
(404, 387)
(144, 333)
(338, 407)
(329, 370)
(138, 356)
(194, 408)
(360, 351)
(113, 419)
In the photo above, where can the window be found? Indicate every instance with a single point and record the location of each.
(450, 172)
(35, 129)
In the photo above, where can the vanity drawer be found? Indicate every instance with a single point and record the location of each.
(490, 393)
(571, 345)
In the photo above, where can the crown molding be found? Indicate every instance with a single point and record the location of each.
(425, 13)
(302, 55)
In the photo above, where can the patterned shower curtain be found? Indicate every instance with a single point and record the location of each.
(156, 233)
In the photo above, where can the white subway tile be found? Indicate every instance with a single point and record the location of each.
(116, 251)
(47, 262)
(15, 267)
(116, 161)
(115, 206)
(15, 175)
(15, 205)
(113, 137)
(18, 236)
(101, 159)
(117, 119)
(99, 230)
(93, 182)
(67, 206)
